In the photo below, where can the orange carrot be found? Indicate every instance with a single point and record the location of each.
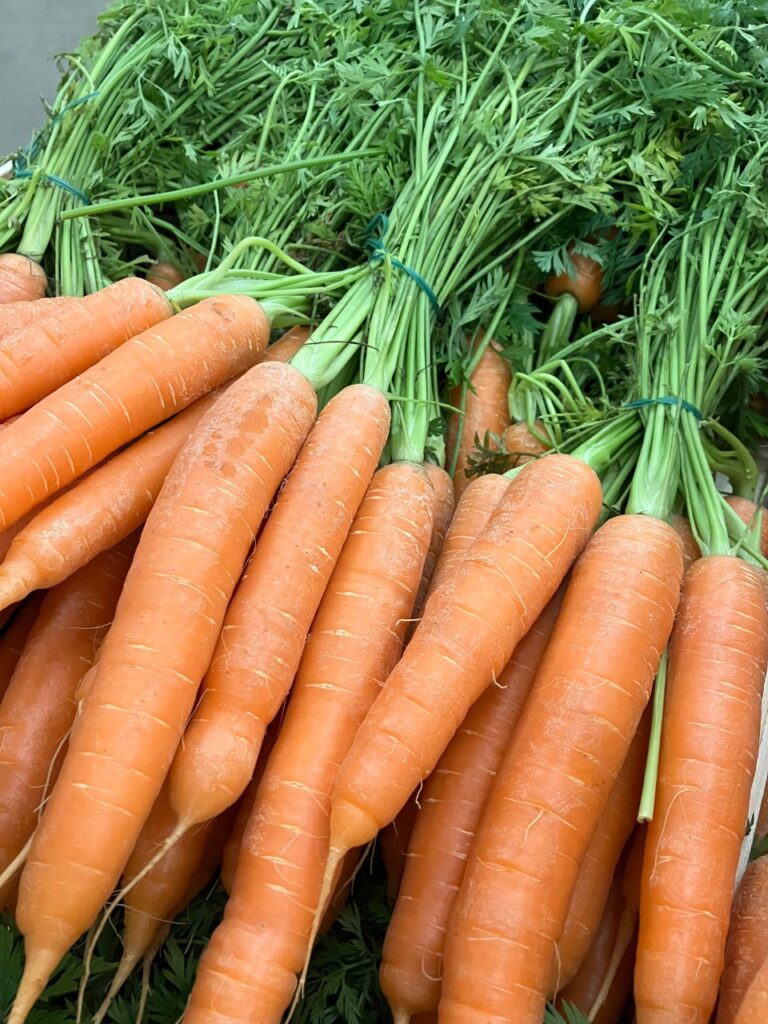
(169, 617)
(471, 624)
(264, 632)
(485, 411)
(248, 972)
(746, 510)
(14, 637)
(590, 691)
(393, 843)
(38, 359)
(140, 384)
(15, 315)
(451, 804)
(287, 345)
(38, 707)
(21, 279)
(525, 446)
(442, 514)
(717, 664)
(598, 867)
(747, 947)
(97, 512)
(586, 283)
(754, 1009)
(165, 275)
(691, 550)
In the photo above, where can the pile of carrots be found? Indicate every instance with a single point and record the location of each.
(233, 644)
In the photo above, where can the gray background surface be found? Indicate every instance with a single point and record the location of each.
(32, 32)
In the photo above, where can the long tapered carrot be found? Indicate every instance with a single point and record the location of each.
(265, 629)
(574, 734)
(14, 637)
(140, 384)
(451, 803)
(38, 708)
(717, 665)
(97, 512)
(287, 345)
(15, 315)
(167, 622)
(393, 843)
(485, 411)
(38, 359)
(442, 514)
(597, 869)
(21, 279)
(248, 972)
(747, 946)
(470, 626)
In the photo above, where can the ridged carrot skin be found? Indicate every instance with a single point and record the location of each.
(451, 803)
(559, 771)
(616, 825)
(266, 625)
(190, 557)
(471, 624)
(21, 279)
(14, 637)
(485, 411)
(140, 384)
(39, 358)
(37, 710)
(717, 664)
(97, 512)
(15, 315)
(248, 972)
(747, 947)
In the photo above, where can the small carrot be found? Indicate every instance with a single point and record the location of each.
(21, 279)
(287, 345)
(485, 411)
(165, 629)
(266, 625)
(598, 867)
(16, 315)
(471, 624)
(37, 710)
(746, 510)
(522, 444)
(747, 947)
(691, 550)
(97, 512)
(442, 514)
(164, 275)
(39, 358)
(589, 694)
(248, 972)
(451, 802)
(717, 664)
(143, 382)
(14, 637)
(585, 283)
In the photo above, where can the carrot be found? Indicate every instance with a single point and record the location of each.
(248, 972)
(717, 665)
(21, 279)
(393, 843)
(754, 1009)
(747, 947)
(39, 358)
(470, 626)
(442, 514)
(14, 637)
(169, 617)
(143, 382)
(15, 315)
(97, 512)
(691, 550)
(287, 345)
(451, 803)
(164, 275)
(485, 411)
(586, 283)
(558, 773)
(520, 442)
(598, 867)
(266, 625)
(747, 510)
(37, 710)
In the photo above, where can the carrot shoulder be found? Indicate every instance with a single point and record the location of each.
(566, 754)
(21, 279)
(47, 353)
(167, 622)
(15, 315)
(140, 384)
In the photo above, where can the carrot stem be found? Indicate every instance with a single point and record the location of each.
(648, 795)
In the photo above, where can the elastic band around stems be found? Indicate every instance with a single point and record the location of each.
(683, 403)
(375, 242)
(53, 179)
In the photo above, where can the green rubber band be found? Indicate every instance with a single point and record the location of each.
(683, 403)
(375, 242)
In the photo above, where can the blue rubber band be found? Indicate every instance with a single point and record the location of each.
(642, 403)
(375, 242)
(53, 179)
